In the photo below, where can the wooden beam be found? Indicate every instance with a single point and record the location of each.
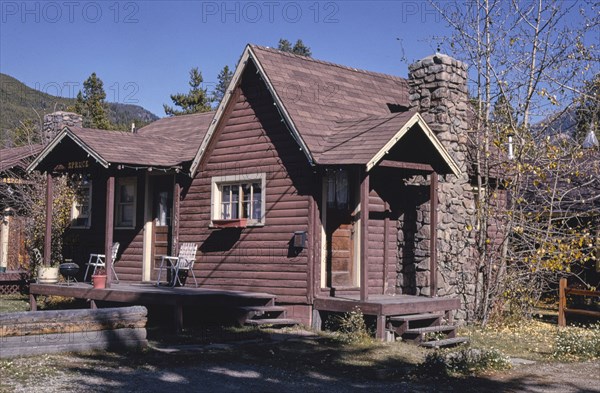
(364, 237)
(108, 233)
(406, 165)
(176, 209)
(48, 233)
(310, 271)
(386, 253)
(433, 200)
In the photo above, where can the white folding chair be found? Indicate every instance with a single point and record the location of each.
(183, 262)
(99, 260)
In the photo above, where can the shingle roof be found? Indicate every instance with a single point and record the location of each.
(18, 157)
(318, 94)
(167, 142)
(357, 141)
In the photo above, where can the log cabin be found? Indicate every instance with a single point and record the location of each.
(326, 186)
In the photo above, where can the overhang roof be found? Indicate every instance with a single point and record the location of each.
(168, 142)
(18, 157)
(336, 114)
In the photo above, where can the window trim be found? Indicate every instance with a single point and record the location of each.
(216, 195)
(124, 181)
(88, 224)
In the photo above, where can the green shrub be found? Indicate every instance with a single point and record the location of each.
(578, 343)
(352, 329)
(465, 361)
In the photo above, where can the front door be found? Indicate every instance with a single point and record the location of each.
(340, 231)
(158, 228)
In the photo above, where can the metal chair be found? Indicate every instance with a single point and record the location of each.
(99, 260)
(183, 262)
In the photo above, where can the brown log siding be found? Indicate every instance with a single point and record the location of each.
(252, 139)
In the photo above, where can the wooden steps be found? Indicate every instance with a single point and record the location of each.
(275, 322)
(267, 315)
(417, 327)
(445, 342)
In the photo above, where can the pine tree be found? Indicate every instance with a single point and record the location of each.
(299, 48)
(90, 103)
(224, 77)
(195, 101)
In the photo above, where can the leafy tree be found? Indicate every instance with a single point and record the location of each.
(588, 110)
(26, 134)
(195, 101)
(535, 56)
(224, 78)
(299, 48)
(91, 105)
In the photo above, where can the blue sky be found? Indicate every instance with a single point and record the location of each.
(143, 50)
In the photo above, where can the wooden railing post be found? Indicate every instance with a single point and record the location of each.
(562, 302)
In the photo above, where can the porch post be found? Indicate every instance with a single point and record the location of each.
(108, 233)
(364, 237)
(48, 233)
(175, 222)
(433, 200)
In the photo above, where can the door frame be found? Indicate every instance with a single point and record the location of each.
(148, 239)
(356, 271)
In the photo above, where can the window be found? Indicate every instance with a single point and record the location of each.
(125, 202)
(81, 212)
(337, 189)
(238, 197)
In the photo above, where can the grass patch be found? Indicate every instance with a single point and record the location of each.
(465, 361)
(533, 339)
(576, 343)
(14, 303)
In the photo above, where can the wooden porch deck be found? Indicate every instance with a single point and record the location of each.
(384, 306)
(149, 294)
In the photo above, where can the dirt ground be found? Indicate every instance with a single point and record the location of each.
(200, 370)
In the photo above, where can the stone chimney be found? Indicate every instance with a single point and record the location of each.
(438, 91)
(56, 121)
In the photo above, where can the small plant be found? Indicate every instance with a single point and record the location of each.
(578, 343)
(100, 272)
(352, 328)
(466, 361)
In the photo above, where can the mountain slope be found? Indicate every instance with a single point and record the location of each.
(19, 102)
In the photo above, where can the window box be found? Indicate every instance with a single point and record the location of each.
(232, 223)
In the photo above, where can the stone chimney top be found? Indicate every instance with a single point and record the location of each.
(56, 121)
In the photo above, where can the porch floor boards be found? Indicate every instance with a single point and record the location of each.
(387, 305)
(149, 294)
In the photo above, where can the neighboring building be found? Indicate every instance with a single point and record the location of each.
(13, 163)
(312, 181)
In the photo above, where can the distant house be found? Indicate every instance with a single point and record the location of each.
(13, 163)
(312, 181)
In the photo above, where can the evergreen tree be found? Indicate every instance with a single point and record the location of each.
(224, 77)
(299, 48)
(195, 101)
(90, 103)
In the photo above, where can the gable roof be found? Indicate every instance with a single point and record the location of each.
(18, 157)
(368, 140)
(170, 142)
(326, 105)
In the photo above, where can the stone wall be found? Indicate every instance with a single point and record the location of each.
(54, 123)
(438, 90)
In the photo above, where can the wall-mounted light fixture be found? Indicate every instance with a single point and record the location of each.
(299, 239)
(511, 152)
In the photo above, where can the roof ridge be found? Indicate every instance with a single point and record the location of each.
(328, 63)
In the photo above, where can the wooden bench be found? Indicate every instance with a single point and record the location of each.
(563, 292)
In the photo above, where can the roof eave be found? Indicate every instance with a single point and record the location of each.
(66, 132)
(415, 119)
(235, 80)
